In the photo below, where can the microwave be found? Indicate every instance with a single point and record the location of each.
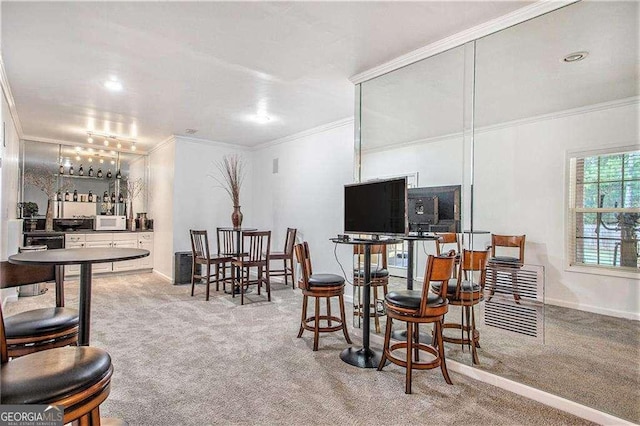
(110, 223)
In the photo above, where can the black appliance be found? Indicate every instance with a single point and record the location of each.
(53, 240)
(182, 270)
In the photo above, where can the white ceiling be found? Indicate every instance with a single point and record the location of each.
(208, 65)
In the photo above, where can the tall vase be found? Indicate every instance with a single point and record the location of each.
(236, 217)
(48, 221)
(131, 222)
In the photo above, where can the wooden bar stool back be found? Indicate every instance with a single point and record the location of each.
(509, 264)
(416, 307)
(319, 286)
(379, 278)
(448, 243)
(255, 254)
(77, 378)
(286, 256)
(466, 291)
(202, 258)
(37, 329)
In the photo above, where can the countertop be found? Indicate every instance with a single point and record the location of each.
(81, 231)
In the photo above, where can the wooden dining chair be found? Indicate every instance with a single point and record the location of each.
(77, 378)
(202, 258)
(254, 254)
(319, 286)
(416, 307)
(38, 329)
(286, 256)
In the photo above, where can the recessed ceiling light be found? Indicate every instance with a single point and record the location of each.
(575, 56)
(90, 160)
(78, 149)
(113, 162)
(77, 157)
(106, 142)
(119, 145)
(90, 139)
(261, 118)
(101, 161)
(191, 131)
(113, 85)
(133, 147)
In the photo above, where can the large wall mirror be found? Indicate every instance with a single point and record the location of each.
(80, 179)
(553, 156)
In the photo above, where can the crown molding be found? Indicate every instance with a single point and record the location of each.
(210, 143)
(513, 18)
(8, 95)
(162, 143)
(305, 133)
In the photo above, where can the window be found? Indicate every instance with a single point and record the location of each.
(604, 210)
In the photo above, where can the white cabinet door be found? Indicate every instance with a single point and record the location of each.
(99, 240)
(145, 241)
(73, 241)
(126, 240)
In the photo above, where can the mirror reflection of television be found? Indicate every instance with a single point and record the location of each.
(434, 209)
(376, 207)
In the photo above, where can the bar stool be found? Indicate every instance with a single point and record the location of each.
(415, 308)
(37, 329)
(379, 278)
(318, 286)
(77, 378)
(449, 243)
(509, 264)
(466, 293)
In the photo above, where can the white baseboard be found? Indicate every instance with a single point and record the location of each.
(163, 276)
(9, 295)
(594, 309)
(545, 398)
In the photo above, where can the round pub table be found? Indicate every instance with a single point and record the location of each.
(364, 357)
(85, 257)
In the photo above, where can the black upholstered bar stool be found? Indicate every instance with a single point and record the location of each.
(319, 286)
(78, 378)
(379, 278)
(38, 329)
(417, 307)
(466, 292)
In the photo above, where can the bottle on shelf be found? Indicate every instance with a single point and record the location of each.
(113, 197)
(99, 173)
(105, 197)
(59, 196)
(120, 198)
(118, 175)
(81, 171)
(61, 169)
(90, 171)
(90, 197)
(109, 175)
(66, 196)
(75, 195)
(71, 170)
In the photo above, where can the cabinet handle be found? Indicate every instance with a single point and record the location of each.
(81, 244)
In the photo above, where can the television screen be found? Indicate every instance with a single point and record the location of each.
(377, 207)
(434, 209)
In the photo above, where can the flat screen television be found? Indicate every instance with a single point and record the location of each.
(376, 207)
(434, 209)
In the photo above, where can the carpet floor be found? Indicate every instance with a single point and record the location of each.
(180, 360)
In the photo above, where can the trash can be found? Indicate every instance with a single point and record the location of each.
(32, 289)
(182, 270)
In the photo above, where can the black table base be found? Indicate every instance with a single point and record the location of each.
(401, 335)
(363, 357)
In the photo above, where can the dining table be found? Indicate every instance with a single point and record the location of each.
(365, 356)
(85, 257)
(238, 240)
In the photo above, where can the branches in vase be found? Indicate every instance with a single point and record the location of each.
(42, 178)
(231, 167)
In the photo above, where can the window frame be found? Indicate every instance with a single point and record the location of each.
(571, 210)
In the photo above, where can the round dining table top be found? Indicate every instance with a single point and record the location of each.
(74, 256)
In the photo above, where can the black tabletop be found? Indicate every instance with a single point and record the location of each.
(421, 238)
(238, 229)
(358, 241)
(74, 256)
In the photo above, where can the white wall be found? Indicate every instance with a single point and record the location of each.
(161, 205)
(520, 189)
(307, 192)
(199, 202)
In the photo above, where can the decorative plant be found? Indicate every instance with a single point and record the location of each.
(42, 178)
(133, 188)
(231, 167)
(29, 209)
